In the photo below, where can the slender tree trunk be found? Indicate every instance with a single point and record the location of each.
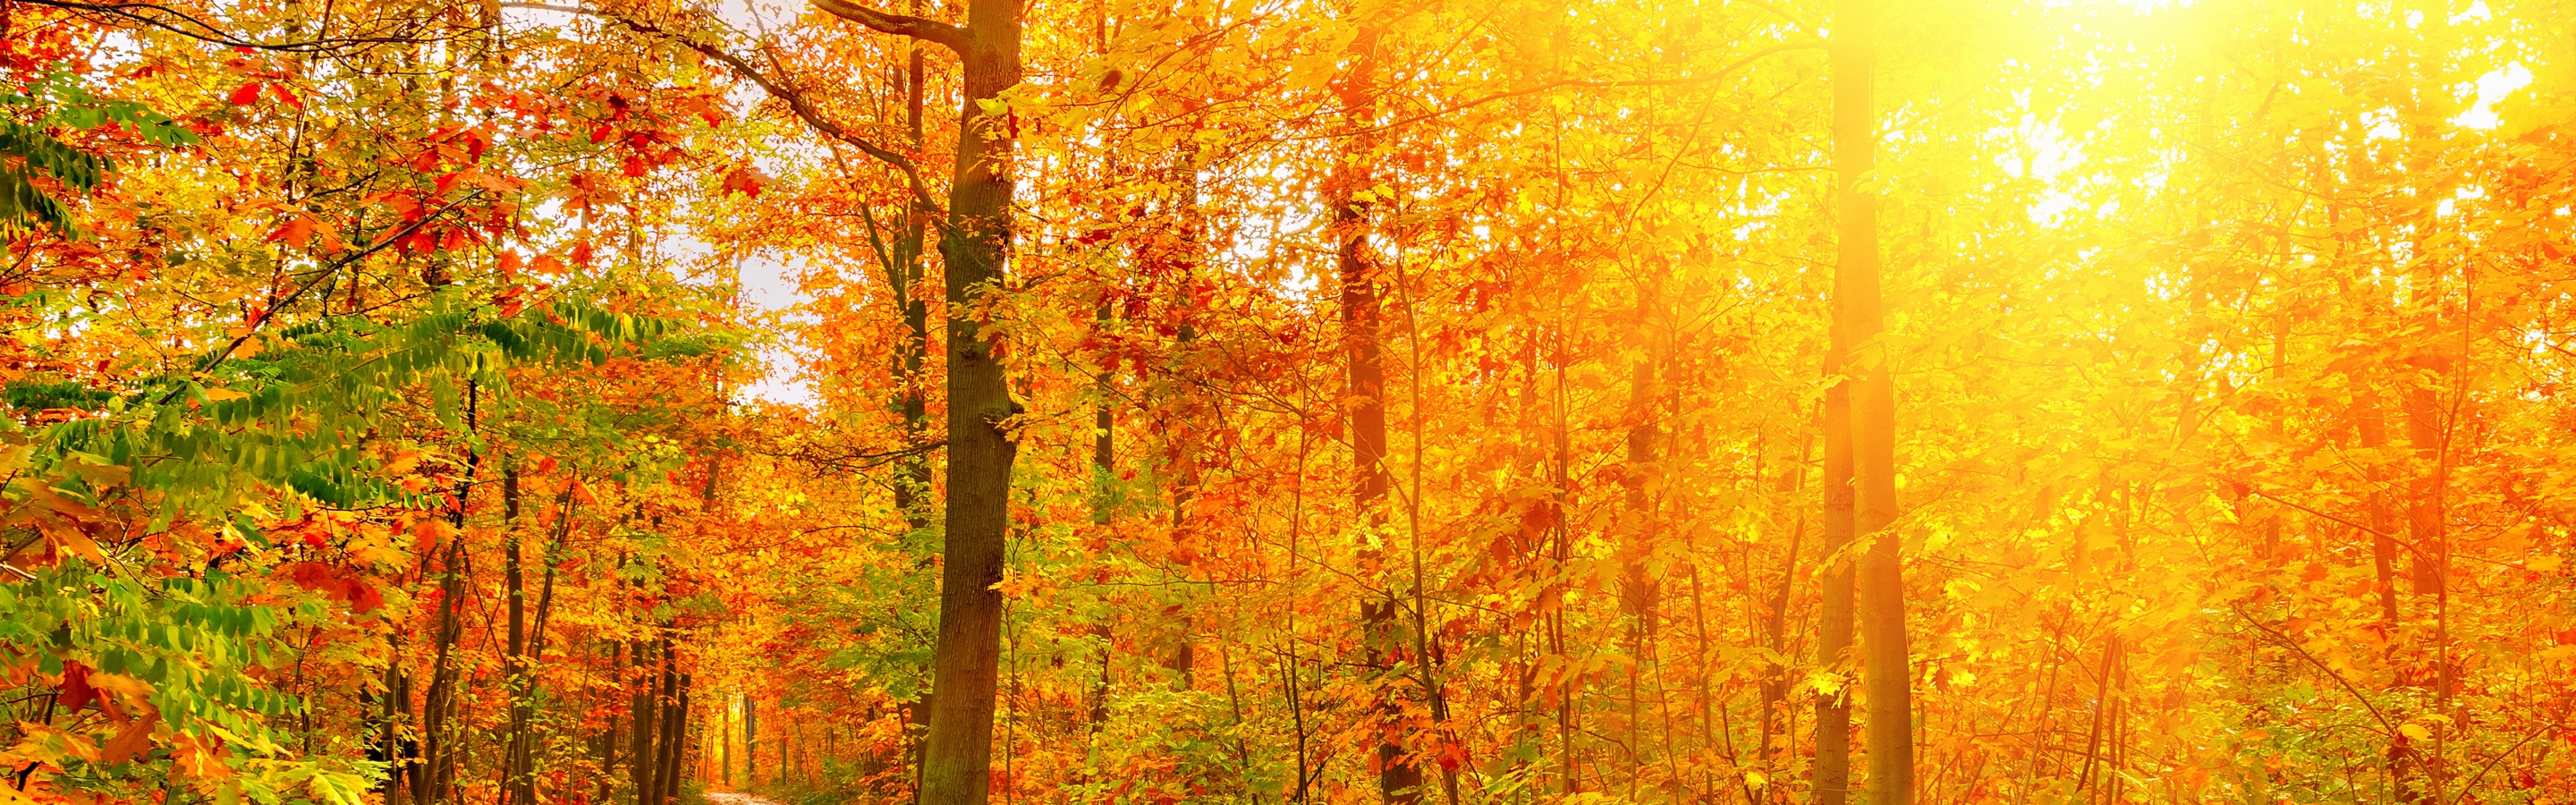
(1362, 318)
(430, 781)
(912, 349)
(517, 786)
(604, 745)
(1639, 590)
(750, 741)
(398, 752)
(1775, 620)
(2383, 544)
(1888, 677)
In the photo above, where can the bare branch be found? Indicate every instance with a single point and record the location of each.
(928, 30)
(176, 21)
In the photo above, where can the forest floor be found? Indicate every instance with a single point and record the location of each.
(737, 798)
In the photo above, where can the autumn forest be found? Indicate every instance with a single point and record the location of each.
(1273, 402)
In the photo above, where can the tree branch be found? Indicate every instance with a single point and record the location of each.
(211, 360)
(172, 20)
(2388, 728)
(933, 31)
(795, 100)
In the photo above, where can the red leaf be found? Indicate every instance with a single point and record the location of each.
(601, 134)
(76, 690)
(745, 180)
(286, 95)
(368, 599)
(246, 94)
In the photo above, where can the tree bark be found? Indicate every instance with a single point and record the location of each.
(1399, 781)
(517, 786)
(981, 446)
(644, 709)
(1831, 774)
(1887, 670)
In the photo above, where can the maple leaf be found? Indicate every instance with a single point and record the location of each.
(297, 231)
(746, 181)
(76, 690)
(247, 94)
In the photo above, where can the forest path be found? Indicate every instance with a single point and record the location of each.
(738, 798)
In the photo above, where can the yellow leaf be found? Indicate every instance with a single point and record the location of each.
(2415, 731)
(121, 683)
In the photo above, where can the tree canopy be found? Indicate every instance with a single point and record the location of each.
(1287, 401)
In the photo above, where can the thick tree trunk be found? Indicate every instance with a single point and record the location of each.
(644, 710)
(1887, 670)
(956, 769)
(675, 729)
(1832, 770)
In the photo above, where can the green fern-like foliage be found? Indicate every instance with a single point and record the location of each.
(26, 153)
(30, 154)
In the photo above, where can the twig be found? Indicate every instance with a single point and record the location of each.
(2293, 645)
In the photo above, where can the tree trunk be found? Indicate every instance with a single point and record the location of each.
(1832, 770)
(905, 272)
(644, 709)
(675, 729)
(429, 778)
(1887, 677)
(2383, 542)
(518, 787)
(956, 769)
(1362, 315)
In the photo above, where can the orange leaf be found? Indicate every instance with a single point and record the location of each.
(746, 180)
(297, 231)
(133, 741)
